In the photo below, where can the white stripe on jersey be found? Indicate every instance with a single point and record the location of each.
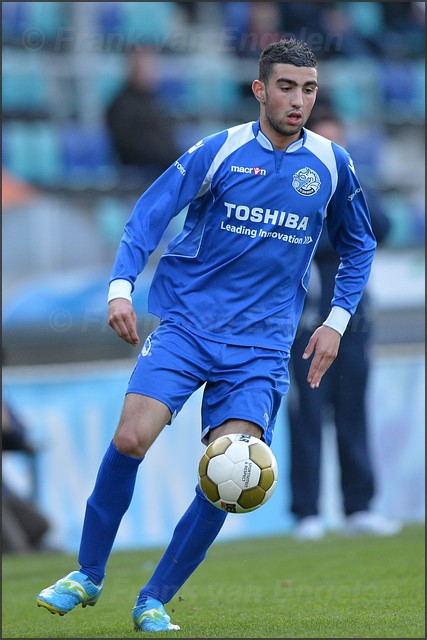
(237, 137)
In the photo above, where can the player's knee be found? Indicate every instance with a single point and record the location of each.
(131, 443)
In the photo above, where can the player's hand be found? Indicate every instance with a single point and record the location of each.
(324, 343)
(122, 318)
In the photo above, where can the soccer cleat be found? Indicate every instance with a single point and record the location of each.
(152, 617)
(68, 592)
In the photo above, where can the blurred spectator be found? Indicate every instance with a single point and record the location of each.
(304, 20)
(142, 131)
(252, 26)
(339, 23)
(404, 30)
(23, 525)
(189, 9)
(341, 396)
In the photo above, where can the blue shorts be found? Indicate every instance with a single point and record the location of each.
(246, 383)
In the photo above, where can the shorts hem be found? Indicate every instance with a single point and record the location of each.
(233, 416)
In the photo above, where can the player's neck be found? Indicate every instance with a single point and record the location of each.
(279, 141)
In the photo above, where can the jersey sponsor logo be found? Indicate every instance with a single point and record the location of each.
(306, 182)
(180, 168)
(196, 146)
(266, 216)
(256, 171)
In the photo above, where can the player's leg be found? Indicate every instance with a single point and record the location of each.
(243, 395)
(142, 419)
(158, 387)
(191, 539)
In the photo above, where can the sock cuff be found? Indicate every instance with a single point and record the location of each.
(120, 462)
(210, 511)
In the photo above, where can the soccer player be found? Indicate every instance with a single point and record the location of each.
(229, 291)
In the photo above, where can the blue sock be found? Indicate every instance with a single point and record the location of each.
(105, 509)
(193, 535)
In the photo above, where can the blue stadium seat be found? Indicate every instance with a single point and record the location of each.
(45, 18)
(111, 215)
(108, 17)
(48, 18)
(149, 21)
(420, 88)
(358, 99)
(107, 77)
(135, 21)
(25, 84)
(34, 152)
(365, 145)
(403, 227)
(14, 19)
(399, 87)
(366, 17)
(87, 153)
(212, 87)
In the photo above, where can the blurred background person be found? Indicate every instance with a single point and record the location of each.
(142, 131)
(251, 26)
(342, 396)
(23, 524)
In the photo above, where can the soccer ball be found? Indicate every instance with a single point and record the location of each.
(238, 473)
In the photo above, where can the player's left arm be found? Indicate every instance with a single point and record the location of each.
(324, 344)
(350, 232)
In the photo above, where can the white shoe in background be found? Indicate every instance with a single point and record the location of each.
(371, 523)
(309, 528)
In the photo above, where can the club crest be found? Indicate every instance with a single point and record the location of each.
(306, 182)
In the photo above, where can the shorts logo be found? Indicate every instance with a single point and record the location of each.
(306, 182)
(266, 419)
(147, 347)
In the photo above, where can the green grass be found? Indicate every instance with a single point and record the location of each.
(261, 588)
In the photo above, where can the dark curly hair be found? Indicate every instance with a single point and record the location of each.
(287, 51)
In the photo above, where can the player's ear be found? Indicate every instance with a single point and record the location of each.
(258, 89)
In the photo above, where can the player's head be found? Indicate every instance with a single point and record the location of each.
(288, 51)
(287, 86)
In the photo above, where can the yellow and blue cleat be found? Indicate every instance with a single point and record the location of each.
(152, 617)
(68, 592)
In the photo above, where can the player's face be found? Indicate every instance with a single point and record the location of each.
(289, 97)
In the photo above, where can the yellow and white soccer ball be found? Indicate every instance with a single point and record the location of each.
(238, 473)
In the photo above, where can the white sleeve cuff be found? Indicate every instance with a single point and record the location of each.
(338, 319)
(120, 289)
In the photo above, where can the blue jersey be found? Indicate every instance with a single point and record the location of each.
(239, 269)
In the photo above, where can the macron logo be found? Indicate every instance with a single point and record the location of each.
(255, 170)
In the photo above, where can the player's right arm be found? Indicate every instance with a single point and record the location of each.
(184, 181)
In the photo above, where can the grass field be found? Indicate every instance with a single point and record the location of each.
(261, 588)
